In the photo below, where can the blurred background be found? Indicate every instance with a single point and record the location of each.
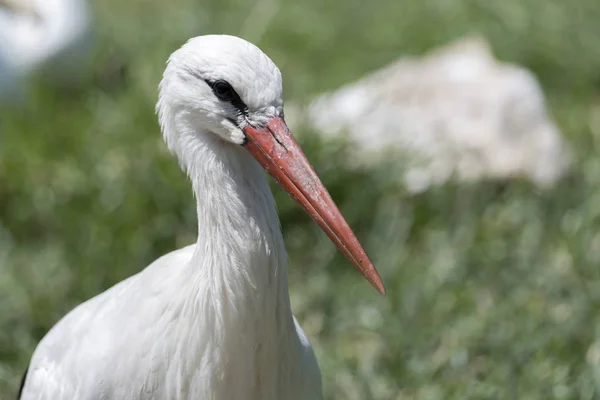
(460, 139)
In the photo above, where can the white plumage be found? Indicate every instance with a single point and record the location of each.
(212, 320)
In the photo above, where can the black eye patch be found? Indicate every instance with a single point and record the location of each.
(224, 92)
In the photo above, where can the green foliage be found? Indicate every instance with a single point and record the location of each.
(493, 288)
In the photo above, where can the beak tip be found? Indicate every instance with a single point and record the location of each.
(378, 284)
(373, 277)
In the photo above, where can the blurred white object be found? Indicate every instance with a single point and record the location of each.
(49, 35)
(457, 113)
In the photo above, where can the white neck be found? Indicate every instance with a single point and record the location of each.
(238, 269)
(240, 249)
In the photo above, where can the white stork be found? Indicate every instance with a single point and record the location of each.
(212, 320)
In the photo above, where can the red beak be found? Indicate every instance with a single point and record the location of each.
(277, 151)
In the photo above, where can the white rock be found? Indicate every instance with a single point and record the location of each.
(456, 113)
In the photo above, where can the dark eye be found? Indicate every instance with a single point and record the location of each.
(223, 91)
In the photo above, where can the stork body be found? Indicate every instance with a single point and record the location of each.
(212, 320)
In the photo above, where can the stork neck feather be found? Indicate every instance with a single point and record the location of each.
(240, 247)
(236, 281)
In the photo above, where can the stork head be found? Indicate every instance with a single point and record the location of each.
(228, 87)
(224, 84)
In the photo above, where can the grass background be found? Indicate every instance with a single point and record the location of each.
(493, 288)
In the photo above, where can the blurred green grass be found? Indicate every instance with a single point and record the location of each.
(493, 287)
